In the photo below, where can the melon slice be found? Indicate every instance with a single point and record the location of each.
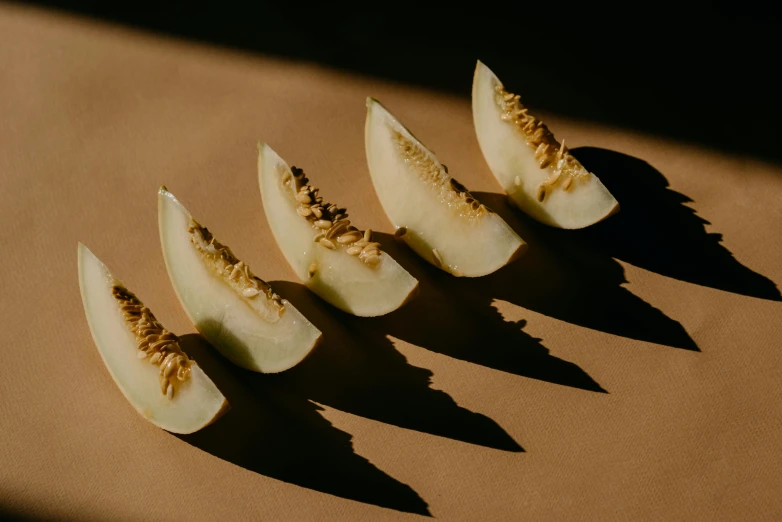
(234, 310)
(432, 212)
(333, 258)
(539, 174)
(162, 383)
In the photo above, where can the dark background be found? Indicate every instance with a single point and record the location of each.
(699, 72)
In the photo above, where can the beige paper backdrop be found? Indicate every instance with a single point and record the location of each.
(626, 372)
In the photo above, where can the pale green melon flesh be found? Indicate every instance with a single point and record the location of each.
(197, 401)
(340, 279)
(252, 333)
(513, 163)
(469, 241)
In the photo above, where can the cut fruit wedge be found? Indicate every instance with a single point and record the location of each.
(432, 212)
(539, 174)
(162, 383)
(234, 310)
(333, 258)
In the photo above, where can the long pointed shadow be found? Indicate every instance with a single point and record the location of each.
(283, 436)
(456, 317)
(358, 370)
(562, 277)
(656, 231)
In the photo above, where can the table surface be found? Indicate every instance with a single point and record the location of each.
(629, 371)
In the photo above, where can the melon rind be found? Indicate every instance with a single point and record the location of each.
(339, 278)
(436, 212)
(514, 165)
(267, 342)
(197, 402)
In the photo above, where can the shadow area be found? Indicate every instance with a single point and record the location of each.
(456, 317)
(10, 514)
(282, 436)
(439, 52)
(656, 231)
(563, 277)
(358, 370)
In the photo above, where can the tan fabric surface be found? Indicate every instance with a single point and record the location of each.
(425, 409)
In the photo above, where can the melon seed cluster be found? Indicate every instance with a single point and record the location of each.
(547, 150)
(453, 192)
(235, 272)
(155, 343)
(332, 224)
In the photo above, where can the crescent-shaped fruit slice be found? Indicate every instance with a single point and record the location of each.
(233, 309)
(145, 360)
(432, 212)
(333, 258)
(539, 174)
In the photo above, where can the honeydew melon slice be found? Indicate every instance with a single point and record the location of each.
(333, 258)
(164, 386)
(432, 212)
(235, 311)
(539, 174)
